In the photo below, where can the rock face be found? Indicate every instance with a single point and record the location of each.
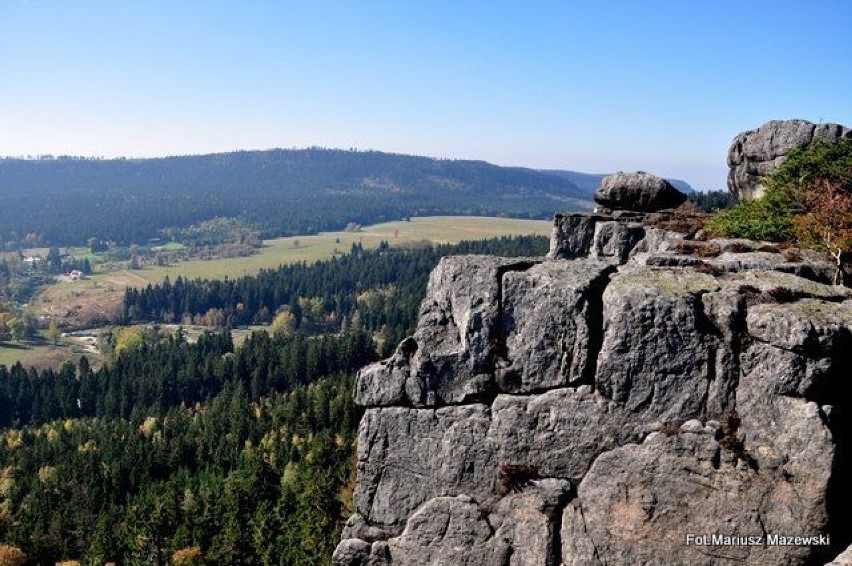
(638, 191)
(756, 153)
(620, 402)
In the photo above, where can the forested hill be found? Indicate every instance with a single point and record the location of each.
(281, 192)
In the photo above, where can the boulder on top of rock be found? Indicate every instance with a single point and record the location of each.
(638, 191)
(756, 153)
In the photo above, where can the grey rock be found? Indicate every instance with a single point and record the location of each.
(638, 191)
(572, 235)
(630, 507)
(656, 357)
(351, 552)
(708, 396)
(655, 241)
(550, 325)
(558, 433)
(798, 287)
(804, 326)
(616, 239)
(527, 522)
(448, 531)
(756, 153)
(380, 554)
(357, 528)
(821, 271)
(408, 456)
(451, 357)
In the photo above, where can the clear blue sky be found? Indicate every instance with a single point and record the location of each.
(589, 86)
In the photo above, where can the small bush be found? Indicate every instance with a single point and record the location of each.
(767, 218)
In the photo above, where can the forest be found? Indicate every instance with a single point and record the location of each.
(68, 201)
(179, 452)
(379, 290)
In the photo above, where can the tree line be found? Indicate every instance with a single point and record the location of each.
(378, 290)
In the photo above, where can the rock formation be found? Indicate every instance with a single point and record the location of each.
(756, 153)
(638, 191)
(613, 403)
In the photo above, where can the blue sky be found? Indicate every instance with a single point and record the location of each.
(589, 86)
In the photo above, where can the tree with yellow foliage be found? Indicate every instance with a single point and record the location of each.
(11, 555)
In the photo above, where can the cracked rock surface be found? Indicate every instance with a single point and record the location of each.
(602, 405)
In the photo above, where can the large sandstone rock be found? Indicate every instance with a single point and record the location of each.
(558, 433)
(550, 325)
(451, 357)
(658, 353)
(409, 456)
(638, 191)
(631, 507)
(635, 389)
(756, 153)
(448, 531)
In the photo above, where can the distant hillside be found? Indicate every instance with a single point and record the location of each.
(588, 182)
(281, 192)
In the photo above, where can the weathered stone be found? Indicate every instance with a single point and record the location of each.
(448, 531)
(351, 552)
(572, 235)
(630, 507)
(656, 241)
(408, 456)
(638, 191)
(656, 357)
(380, 554)
(451, 357)
(806, 326)
(756, 153)
(550, 325)
(558, 433)
(357, 528)
(615, 239)
(794, 286)
(527, 522)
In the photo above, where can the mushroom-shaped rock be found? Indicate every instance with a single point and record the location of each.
(757, 153)
(638, 191)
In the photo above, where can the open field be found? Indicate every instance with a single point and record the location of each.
(42, 355)
(438, 229)
(78, 304)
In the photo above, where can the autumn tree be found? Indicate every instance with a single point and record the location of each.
(187, 556)
(284, 323)
(12, 556)
(826, 224)
(53, 332)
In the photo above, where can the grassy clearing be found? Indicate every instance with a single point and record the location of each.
(42, 356)
(80, 304)
(439, 229)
